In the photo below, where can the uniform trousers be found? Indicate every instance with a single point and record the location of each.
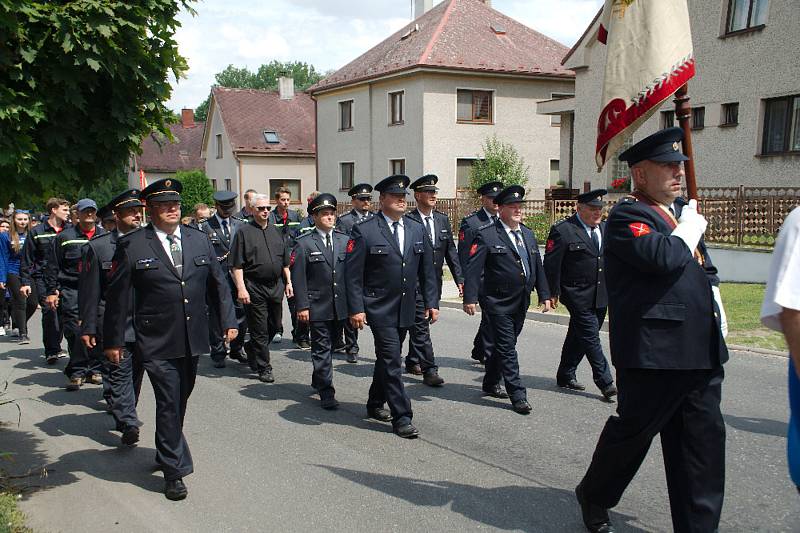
(350, 334)
(124, 383)
(583, 338)
(172, 381)
(22, 308)
(482, 344)
(323, 335)
(387, 377)
(503, 363)
(261, 313)
(83, 362)
(216, 337)
(51, 327)
(420, 347)
(683, 407)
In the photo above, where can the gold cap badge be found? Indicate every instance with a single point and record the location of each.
(675, 147)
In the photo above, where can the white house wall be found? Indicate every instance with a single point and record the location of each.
(258, 170)
(226, 167)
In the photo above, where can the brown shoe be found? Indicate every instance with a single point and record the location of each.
(95, 379)
(74, 383)
(414, 369)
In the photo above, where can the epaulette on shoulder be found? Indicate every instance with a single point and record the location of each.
(304, 234)
(629, 199)
(560, 222)
(365, 219)
(335, 230)
(440, 212)
(473, 214)
(487, 225)
(103, 236)
(192, 228)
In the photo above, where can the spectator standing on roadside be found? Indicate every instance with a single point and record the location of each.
(247, 211)
(781, 311)
(11, 245)
(287, 222)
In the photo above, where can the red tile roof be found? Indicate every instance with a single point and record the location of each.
(458, 35)
(247, 113)
(160, 155)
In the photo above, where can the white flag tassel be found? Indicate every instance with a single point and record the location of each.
(649, 57)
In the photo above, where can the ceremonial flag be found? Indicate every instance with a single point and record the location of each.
(142, 181)
(649, 57)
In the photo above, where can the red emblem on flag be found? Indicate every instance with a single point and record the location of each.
(350, 244)
(473, 250)
(639, 229)
(460, 235)
(550, 245)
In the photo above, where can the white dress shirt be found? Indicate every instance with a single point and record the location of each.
(323, 234)
(422, 217)
(783, 284)
(230, 226)
(401, 231)
(162, 238)
(589, 231)
(512, 237)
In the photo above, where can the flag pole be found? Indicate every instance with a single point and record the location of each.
(683, 112)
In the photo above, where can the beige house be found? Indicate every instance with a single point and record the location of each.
(745, 98)
(261, 140)
(426, 99)
(161, 158)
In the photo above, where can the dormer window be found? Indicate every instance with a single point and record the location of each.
(271, 137)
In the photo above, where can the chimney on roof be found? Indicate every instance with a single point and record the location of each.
(488, 2)
(286, 88)
(421, 7)
(187, 118)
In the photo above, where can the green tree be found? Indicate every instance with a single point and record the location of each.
(196, 190)
(80, 84)
(101, 190)
(500, 162)
(265, 78)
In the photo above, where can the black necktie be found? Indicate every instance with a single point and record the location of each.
(328, 242)
(595, 239)
(177, 255)
(523, 252)
(225, 230)
(672, 211)
(428, 227)
(395, 227)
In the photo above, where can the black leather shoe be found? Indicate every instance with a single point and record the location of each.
(266, 376)
(130, 436)
(304, 345)
(407, 432)
(478, 360)
(609, 393)
(595, 518)
(238, 356)
(352, 358)
(329, 403)
(340, 349)
(414, 369)
(175, 490)
(572, 384)
(496, 392)
(378, 413)
(432, 379)
(522, 407)
(219, 364)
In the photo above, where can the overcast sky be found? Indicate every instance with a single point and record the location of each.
(325, 33)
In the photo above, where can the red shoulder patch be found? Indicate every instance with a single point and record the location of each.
(460, 235)
(549, 246)
(639, 229)
(473, 250)
(80, 266)
(350, 245)
(291, 258)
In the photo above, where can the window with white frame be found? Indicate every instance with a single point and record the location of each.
(745, 15)
(219, 145)
(781, 125)
(396, 111)
(346, 174)
(346, 115)
(397, 166)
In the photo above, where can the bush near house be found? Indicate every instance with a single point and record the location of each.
(539, 224)
(500, 162)
(196, 190)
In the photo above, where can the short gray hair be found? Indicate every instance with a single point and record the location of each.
(254, 198)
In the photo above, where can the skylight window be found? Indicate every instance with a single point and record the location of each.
(499, 29)
(271, 137)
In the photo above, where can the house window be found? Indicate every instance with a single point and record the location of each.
(474, 106)
(292, 184)
(346, 173)
(746, 14)
(213, 183)
(667, 119)
(555, 175)
(219, 145)
(698, 118)
(396, 114)
(555, 120)
(730, 114)
(271, 137)
(397, 166)
(782, 125)
(228, 184)
(346, 115)
(463, 171)
(620, 169)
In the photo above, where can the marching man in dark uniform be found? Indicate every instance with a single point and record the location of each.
(61, 281)
(124, 380)
(420, 359)
(360, 199)
(506, 254)
(666, 344)
(482, 344)
(317, 267)
(221, 229)
(168, 269)
(573, 262)
(388, 256)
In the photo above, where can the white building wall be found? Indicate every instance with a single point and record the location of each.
(227, 166)
(258, 170)
(401, 141)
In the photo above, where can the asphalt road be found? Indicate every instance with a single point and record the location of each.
(267, 458)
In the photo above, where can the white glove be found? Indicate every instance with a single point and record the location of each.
(723, 319)
(691, 226)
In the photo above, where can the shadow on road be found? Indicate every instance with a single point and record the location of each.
(95, 426)
(24, 467)
(514, 507)
(762, 426)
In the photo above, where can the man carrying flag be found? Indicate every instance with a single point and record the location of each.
(667, 323)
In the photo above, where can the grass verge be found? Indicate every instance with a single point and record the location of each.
(11, 518)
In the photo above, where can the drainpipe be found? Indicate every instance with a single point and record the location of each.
(316, 144)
